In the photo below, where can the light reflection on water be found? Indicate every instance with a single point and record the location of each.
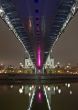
(33, 97)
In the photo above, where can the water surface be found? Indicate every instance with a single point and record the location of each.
(62, 96)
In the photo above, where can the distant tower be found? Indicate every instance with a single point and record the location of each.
(28, 62)
(51, 60)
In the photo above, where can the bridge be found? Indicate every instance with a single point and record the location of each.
(38, 24)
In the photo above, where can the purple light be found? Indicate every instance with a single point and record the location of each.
(39, 57)
(40, 96)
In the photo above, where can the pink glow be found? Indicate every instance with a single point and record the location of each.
(39, 96)
(39, 57)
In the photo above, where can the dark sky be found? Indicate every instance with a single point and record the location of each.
(11, 50)
(65, 50)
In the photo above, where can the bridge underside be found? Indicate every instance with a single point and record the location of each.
(38, 24)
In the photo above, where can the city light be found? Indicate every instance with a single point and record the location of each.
(39, 87)
(56, 87)
(48, 88)
(11, 86)
(73, 70)
(70, 92)
(30, 88)
(29, 94)
(20, 90)
(59, 91)
(68, 85)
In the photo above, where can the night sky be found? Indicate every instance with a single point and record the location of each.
(65, 50)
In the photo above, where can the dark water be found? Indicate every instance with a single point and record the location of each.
(39, 97)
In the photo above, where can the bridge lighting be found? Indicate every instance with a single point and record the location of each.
(1, 11)
(39, 96)
(39, 57)
(30, 24)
